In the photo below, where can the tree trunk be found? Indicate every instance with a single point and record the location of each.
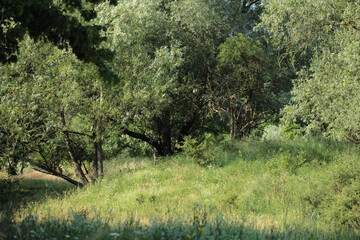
(156, 154)
(12, 167)
(187, 126)
(71, 152)
(95, 161)
(99, 133)
(165, 143)
(77, 165)
(50, 171)
(100, 157)
(232, 126)
(58, 174)
(164, 133)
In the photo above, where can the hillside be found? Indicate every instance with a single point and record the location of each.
(305, 188)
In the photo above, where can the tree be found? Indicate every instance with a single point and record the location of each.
(325, 95)
(51, 109)
(248, 84)
(168, 52)
(64, 23)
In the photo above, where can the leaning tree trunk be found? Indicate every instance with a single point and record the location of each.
(51, 171)
(71, 153)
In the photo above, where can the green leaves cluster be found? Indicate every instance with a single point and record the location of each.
(326, 93)
(45, 96)
(55, 21)
(248, 83)
(166, 53)
(184, 68)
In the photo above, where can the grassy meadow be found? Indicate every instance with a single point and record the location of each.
(276, 189)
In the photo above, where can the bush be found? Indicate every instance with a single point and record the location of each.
(272, 132)
(203, 152)
(337, 196)
(291, 131)
(287, 161)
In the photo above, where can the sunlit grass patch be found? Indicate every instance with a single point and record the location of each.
(242, 188)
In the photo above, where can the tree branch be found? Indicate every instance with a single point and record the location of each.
(352, 139)
(47, 170)
(79, 133)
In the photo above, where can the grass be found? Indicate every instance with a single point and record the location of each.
(21, 192)
(300, 189)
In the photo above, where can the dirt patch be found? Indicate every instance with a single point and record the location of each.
(38, 175)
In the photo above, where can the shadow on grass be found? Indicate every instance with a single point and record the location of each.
(79, 227)
(17, 193)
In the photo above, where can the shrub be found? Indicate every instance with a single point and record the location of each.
(204, 152)
(336, 197)
(291, 131)
(287, 161)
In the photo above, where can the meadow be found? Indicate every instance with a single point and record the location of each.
(274, 189)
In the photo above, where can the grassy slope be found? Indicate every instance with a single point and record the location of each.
(297, 188)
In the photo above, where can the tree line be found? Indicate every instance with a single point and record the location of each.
(104, 76)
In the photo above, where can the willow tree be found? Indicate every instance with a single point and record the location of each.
(326, 95)
(248, 84)
(166, 52)
(63, 23)
(51, 111)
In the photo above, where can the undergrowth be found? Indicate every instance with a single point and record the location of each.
(296, 189)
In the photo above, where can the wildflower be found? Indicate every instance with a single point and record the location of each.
(201, 229)
(298, 217)
(67, 236)
(188, 236)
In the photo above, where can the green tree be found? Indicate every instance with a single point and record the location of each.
(166, 53)
(325, 95)
(248, 84)
(51, 111)
(66, 23)
(49, 19)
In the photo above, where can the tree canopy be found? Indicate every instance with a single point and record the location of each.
(185, 69)
(55, 21)
(325, 95)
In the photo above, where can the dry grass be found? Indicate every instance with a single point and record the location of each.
(30, 174)
(39, 175)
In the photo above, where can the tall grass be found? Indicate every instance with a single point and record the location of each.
(303, 189)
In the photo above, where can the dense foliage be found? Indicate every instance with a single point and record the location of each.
(326, 92)
(51, 107)
(248, 84)
(187, 71)
(54, 21)
(214, 90)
